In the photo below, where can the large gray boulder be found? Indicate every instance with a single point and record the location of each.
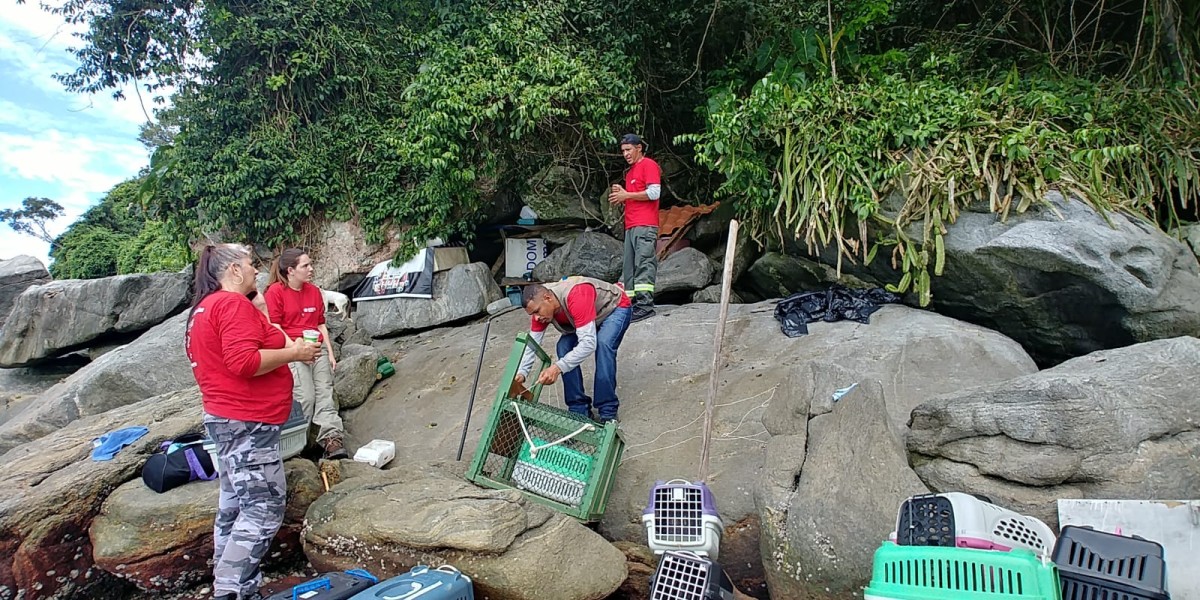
(153, 364)
(663, 367)
(1064, 281)
(776, 275)
(61, 316)
(341, 254)
(1121, 423)
(163, 542)
(512, 549)
(589, 254)
(16, 274)
(462, 292)
(355, 375)
(835, 468)
(687, 270)
(1190, 234)
(560, 192)
(50, 491)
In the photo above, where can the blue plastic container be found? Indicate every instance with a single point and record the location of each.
(442, 583)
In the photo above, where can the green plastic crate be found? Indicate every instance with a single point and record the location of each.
(564, 461)
(937, 573)
(575, 476)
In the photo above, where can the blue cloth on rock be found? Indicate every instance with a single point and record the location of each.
(110, 443)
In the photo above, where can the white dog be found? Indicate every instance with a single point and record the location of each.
(340, 302)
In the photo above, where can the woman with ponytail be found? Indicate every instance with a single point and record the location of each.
(295, 304)
(239, 360)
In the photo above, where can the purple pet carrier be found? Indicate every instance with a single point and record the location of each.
(683, 516)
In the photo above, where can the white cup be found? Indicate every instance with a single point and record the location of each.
(311, 335)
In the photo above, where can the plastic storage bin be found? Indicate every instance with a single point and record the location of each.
(939, 573)
(964, 521)
(683, 516)
(1095, 565)
(442, 583)
(688, 576)
(513, 452)
(376, 453)
(329, 586)
(294, 434)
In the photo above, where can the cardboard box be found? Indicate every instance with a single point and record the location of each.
(521, 255)
(445, 259)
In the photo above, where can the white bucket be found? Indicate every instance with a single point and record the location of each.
(377, 453)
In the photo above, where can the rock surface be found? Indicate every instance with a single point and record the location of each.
(355, 375)
(1121, 423)
(1190, 234)
(463, 291)
(687, 270)
(50, 490)
(590, 254)
(152, 364)
(341, 253)
(662, 374)
(511, 548)
(776, 275)
(17, 274)
(163, 542)
(560, 192)
(1065, 287)
(712, 295)
(835, 471)
(55, 318)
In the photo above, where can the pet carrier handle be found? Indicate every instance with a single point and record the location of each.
(534, 448)
(678, 480)
(316, 584)
(449, 569)
(363, 574)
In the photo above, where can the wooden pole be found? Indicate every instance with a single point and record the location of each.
(714, 373)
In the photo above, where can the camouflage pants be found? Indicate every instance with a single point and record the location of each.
(252, 501)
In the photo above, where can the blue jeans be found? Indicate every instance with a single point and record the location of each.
(608, 338)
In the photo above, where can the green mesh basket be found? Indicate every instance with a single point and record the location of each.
(939, 573)
(575, 465)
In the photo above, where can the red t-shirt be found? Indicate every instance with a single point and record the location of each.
(294, 310)
(581, 303)
(642, 213)
(224, 336)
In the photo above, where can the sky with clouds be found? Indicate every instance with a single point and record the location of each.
(68, 147)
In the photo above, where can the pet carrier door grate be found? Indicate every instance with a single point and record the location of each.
(686, 576)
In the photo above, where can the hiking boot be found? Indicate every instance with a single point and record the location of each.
(334, 449)
(640, 313)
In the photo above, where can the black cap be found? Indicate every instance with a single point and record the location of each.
(633, 139)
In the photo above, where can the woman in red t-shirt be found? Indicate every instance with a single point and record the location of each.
(296, 305)
(238, 359)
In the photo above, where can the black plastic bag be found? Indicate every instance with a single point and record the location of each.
(838, 303)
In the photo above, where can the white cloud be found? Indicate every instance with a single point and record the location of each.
(79, 163)
(35, 42)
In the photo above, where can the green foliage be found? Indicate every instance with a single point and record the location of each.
(114, 238)
(814, 162)
(153, 249)
(391, 116)
(87, 252)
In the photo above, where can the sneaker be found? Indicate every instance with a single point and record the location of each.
(640, 313)
(607, 420)
(334, 449)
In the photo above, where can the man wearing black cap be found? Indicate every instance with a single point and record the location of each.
(640, 195)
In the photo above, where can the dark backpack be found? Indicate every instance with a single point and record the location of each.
(181, 460)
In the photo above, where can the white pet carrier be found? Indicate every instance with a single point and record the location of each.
(682, 516)
(961, 520)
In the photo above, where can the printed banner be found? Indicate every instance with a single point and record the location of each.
(413, 279)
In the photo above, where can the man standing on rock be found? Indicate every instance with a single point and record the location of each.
(592, 317)
(643, 186)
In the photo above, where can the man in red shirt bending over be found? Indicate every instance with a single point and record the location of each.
(643, 186)
(592, 317)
